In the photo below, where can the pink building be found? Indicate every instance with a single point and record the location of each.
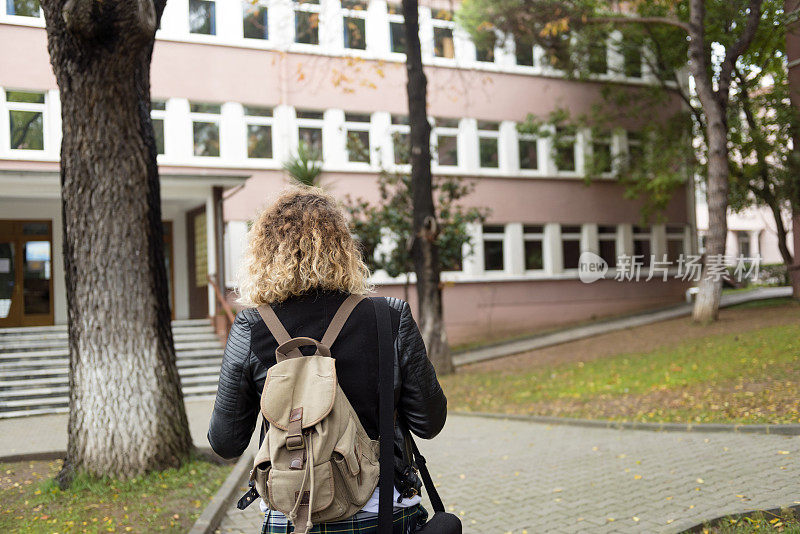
(235, 85)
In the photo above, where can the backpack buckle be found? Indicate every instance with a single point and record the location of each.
(295, 442)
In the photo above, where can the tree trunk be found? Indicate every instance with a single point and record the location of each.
(706, 305)
(126, 408)
(794, 268)
(425, 250)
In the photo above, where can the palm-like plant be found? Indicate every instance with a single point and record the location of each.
(306, 165)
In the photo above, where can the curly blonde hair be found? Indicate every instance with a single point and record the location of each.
(300, 242)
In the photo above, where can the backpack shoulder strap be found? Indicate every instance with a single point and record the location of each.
(276, 328)
(340, 318)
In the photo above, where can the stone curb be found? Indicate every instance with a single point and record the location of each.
(33, 456)
(783, 430)
(212, 515)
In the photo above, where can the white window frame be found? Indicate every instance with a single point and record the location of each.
(404, 129)
(442, 23)
(394, 18)
(161, 114)
(571, 236)
(204, 36)
(576, 141)
(639, 236)
(5, 123)
(450, 131)
(493, 236)
(311, 123)
(534, 236)
(259, 120)
(21, 20)
(308, 8)
(632, 142)
(489, 134)
(675, 232)
(356, 14)
(354, 126)
(539, 160)
(606, 139)
(609, 236)
(196, 116)
(260, 4)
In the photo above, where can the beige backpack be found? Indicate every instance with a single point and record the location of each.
(316, 463)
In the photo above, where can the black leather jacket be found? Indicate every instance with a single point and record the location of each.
(250, 351)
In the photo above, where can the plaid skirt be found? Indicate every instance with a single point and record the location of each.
(406, 521)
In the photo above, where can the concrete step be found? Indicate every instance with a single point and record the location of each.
(44, 364)
(46, 377)
(34, 343)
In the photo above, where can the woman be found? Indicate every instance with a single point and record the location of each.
(302, 260)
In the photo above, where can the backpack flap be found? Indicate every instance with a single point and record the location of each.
(308, 383)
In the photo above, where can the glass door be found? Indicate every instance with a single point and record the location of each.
(26, 278)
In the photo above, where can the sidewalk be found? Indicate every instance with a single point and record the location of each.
(603, 327)
(48, 433)
(512, 476)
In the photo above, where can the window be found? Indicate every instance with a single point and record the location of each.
(524, 54)
(635, 151)
(357, 131)
(598, 57)
(157, 114)
(607, 242)
(601, 153)
(400, 131)
(571, 246)
(254, 21)
(484, 48)
(493, 236)
(309, 130)
(354, 20)
(306, 21)
(202, 17)
(23, 8)
(533, 236)
(528, 152)
(565, 145)
(397, 30)
(743, 243)
(674, 242)
(488, 134)
(258, 121)
(632, 58)
(443, 44)
(205, 129)
(558, 56)
(26, 120)
(642, 239)
(446, 132)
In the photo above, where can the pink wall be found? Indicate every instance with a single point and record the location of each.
(491, 310)
(212, 72)
(530, 200)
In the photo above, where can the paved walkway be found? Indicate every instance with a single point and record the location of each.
(515, 476)
(603, 327)
(48, 433)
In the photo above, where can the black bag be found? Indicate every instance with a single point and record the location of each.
(441, 522)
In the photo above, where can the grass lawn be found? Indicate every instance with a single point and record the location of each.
(744, 369)
(787, 523)
(168, 501)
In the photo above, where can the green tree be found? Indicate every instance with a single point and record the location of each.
(390, 219)
(305, 166)
(714, 34)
